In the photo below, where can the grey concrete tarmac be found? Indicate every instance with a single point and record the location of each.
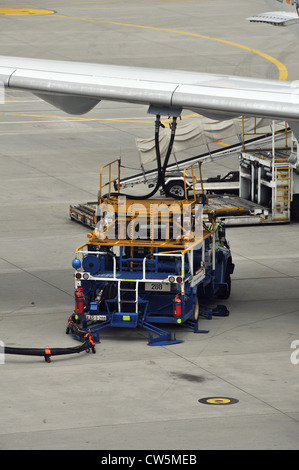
(129, 395)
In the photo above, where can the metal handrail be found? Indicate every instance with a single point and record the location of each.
(110, 180)
(193, 177)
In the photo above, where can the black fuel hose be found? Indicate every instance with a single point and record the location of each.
(161, 169)
(87, 345)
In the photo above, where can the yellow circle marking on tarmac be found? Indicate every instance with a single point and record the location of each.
(218, 401)
(24, 12)
(283, 73)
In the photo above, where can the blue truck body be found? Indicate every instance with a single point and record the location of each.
(136, 286)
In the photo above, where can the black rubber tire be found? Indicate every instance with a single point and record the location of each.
(195, 314)
(176, 189)
(224, 292)
(295, 208)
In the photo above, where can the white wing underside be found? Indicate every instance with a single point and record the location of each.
(276, 18)
(77, 87)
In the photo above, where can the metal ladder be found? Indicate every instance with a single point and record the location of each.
(283, 185)
(121, 293)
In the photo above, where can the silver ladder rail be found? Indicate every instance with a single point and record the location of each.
(127, 301)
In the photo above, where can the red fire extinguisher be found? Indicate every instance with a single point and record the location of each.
(79, 300)
(177, 305)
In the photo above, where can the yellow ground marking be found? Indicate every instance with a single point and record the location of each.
(283, 73)
(221, 143)
(104, 2)
(218, 401)
(73, 118)
(24, 12)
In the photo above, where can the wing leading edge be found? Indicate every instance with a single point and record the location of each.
(77, 87)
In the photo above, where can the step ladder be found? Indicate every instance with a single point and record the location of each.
(128, 295)
(283, 189)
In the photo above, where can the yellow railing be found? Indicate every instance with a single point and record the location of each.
(111, 181)
(254, 132)
(194, 180)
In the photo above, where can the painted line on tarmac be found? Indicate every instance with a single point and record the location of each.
(25, 12)
(135, 120)
(283, 73)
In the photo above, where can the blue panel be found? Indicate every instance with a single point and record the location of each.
(91, 264)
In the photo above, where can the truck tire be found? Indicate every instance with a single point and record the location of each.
(196, 309)
(176, 189)
(224, 290)
(295, 208)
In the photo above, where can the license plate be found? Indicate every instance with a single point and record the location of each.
(96, 317)
(157, 287)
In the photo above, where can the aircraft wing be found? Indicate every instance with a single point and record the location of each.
(286, 13)
(77, 87)
(276, 18)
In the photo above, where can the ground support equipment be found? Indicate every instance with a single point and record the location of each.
(148, 265)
